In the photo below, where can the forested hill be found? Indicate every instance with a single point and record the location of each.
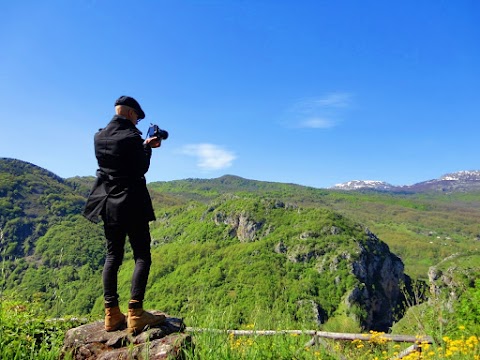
(31, 200)
(236, 243)
(423, 228)
(45, 239)
(207, 189)
(228, 183)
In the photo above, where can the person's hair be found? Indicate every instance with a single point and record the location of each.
(123, 110)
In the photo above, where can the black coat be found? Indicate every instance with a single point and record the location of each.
(120, 192)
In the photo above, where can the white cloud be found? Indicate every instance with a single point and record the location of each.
(322, 112)
(338, 100)
(318, 123)
(210, 156)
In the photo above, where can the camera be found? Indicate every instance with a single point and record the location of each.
(155, 131)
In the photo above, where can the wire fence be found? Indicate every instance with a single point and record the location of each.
(319, 336)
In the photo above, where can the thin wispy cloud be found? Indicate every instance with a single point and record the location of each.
(338, 100)
(210, 156)
(320, 113)
(317, 123)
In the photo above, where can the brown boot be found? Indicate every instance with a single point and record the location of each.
(114, 319)
(138, 319)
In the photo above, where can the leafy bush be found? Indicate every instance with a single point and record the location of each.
(467, 310)
(25, 333)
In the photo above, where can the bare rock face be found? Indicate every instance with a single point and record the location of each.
(381, 275)
(91, 341)
(241, 225)
(376, 299)
(451, 277)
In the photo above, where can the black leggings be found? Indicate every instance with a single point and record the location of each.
(139, 237)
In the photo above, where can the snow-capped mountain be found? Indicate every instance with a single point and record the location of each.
(473, 175)
(457, 181)
(363, 184)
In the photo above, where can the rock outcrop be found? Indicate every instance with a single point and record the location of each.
(345, 254)
(91, 341)
(451, 276)
(381, 277)
(241, 225)
(376, 299)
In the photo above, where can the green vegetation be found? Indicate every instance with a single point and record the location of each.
(421, 228)
(232, 252)
(25, 333)
(453, 305)
(197, 271)
(31, 200)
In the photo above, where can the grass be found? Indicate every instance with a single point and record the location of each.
(227, 346)
(25, 334)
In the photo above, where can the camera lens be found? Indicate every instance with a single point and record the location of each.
(163, 134)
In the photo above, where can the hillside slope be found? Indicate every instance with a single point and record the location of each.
(230, 243)
(31, 200)
(255, 252)
(421, 228)
(49, 252)
(252, 255)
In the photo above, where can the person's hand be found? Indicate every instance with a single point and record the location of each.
(153, 142)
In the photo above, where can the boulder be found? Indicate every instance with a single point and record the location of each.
(91, 341)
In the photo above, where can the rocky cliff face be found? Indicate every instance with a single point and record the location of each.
(449, 278)
(381, 277)
(241, 225)
(375, 299)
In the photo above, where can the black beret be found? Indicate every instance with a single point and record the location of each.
(131, 102)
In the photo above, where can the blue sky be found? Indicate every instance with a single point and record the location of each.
(308, 92)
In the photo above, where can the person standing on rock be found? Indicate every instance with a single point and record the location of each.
(120, 196)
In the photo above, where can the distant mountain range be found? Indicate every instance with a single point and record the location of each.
(457, 181)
